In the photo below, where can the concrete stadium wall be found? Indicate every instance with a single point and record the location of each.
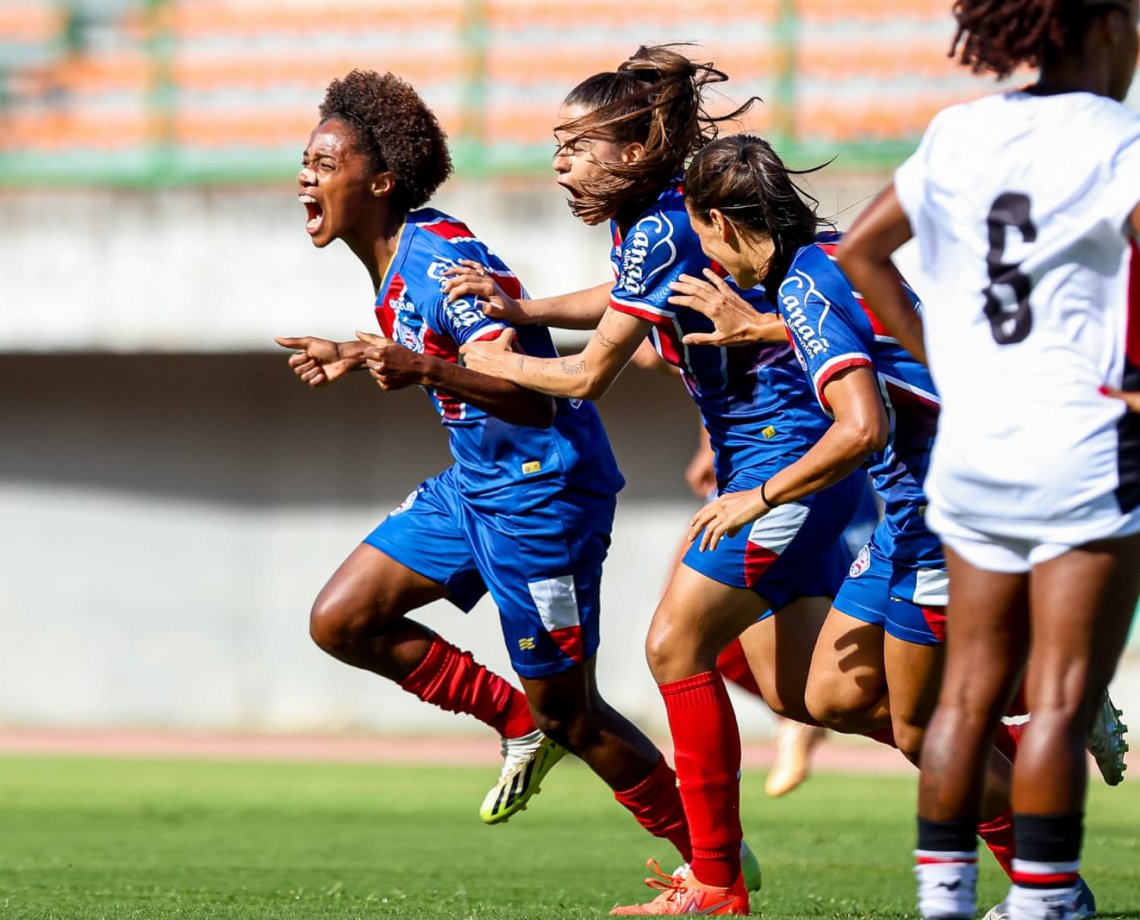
(172, 499)
(169, 520)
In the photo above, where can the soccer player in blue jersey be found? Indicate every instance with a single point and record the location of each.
(525, 511)
(753, 220)
(622, 142)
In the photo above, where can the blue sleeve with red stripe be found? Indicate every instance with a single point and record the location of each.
(825, 322)
(462, 320)
(652, 254)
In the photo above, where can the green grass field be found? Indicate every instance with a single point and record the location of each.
(115, 838)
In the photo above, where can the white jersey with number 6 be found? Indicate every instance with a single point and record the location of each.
(1020, 203)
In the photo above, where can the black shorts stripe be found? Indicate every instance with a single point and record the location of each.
(1128, 446)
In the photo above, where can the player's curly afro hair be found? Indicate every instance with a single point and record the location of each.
(398, 130)
(998, 36)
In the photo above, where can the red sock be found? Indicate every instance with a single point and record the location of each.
(733, 664)
(706, 745)
(656, 805)
(997, 834)
(453, 680)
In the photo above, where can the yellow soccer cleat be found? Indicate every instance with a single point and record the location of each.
(526, 761)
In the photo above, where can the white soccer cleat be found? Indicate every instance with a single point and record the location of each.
(526, 761)
(1107, 743)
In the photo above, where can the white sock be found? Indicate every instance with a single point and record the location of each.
(947, 884)
(1042, 903)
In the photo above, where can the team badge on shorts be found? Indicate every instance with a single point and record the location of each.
(862, 562)
(406, 503)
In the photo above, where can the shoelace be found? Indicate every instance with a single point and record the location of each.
(669, 885)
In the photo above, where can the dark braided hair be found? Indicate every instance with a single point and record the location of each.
(655, 98)
(998, 36)
(743, 177)
(395, 129)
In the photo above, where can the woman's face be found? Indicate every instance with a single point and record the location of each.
(336, 183)
(581, 159)
(735, 259)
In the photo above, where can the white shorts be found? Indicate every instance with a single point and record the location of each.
(1009, 554)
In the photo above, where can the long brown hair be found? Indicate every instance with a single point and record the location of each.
(745, 179)
(657, 98)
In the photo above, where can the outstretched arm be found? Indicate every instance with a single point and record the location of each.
(860, 428)
(865, 257)
(394, 367)
(577, 310)
(583, 376)
(319, 362)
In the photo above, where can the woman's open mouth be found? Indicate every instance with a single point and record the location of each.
(315, 213)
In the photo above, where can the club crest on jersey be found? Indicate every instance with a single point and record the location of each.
(638, 247)
(406, 503)
(800, 288)
(862, 562)
(436, 269)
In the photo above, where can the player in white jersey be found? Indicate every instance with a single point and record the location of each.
(1024, 206)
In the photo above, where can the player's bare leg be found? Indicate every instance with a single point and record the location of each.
(360, 615)
(360, 618)
(788, 638)
(847, 686)
(987, 620)
(914, 676)
(1081, 606)
(568, 708)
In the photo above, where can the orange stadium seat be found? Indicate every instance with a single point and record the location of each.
(55, 131)
(274, 70)
(872, 10)
(210, 18)
(248, 75)
(881, 59)
(31, 23)
(591, 14)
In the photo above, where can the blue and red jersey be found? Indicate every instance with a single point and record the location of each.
(832, 329)
(517, 465)
(759, 413)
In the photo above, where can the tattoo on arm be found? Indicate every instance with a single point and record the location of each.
(573, 370)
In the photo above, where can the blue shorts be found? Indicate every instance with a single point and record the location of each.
(543, 569)
(909, 603)
(794, 551)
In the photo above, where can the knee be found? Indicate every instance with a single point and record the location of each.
(838, 705)
(573, 730)
(658, 653)
(672, 657)
(908, 739)
(330, 625)
(337, 622)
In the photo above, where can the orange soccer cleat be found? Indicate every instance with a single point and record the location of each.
(688, 896)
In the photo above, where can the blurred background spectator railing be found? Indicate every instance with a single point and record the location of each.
(177, 91)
